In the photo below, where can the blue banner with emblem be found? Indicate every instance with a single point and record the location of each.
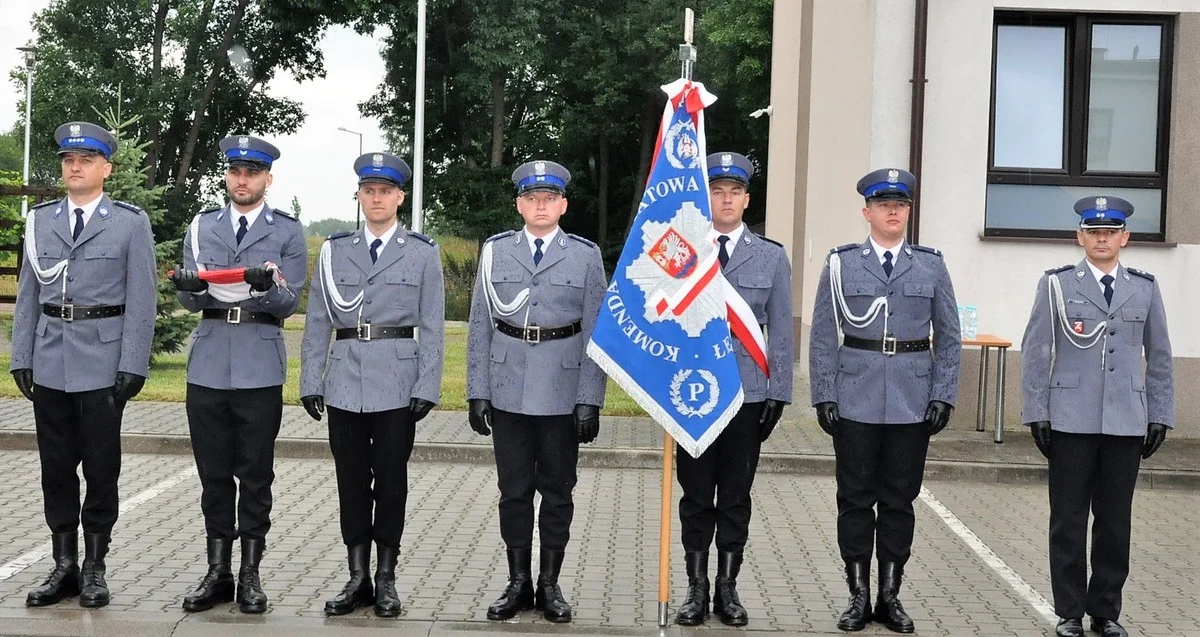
(663, 333)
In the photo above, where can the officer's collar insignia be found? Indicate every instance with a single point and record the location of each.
(220, 215)
(1125, 275)
(103, 212)
(539, 168)
(400, 240)
(1101, 204)
(726, 160)
(866, 251)
(746, 238)
(243, 142)
(76, 131)
(355, 242)
(908, 251)
(893, 176)
(269, 217)
(1079, 274)
(562, 243)
(517, 239)
(377, 160)
(58, 212)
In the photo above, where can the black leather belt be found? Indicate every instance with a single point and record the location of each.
(71, 312)
(888, 345)
(236, 316)
(368, 332)
(536, 334)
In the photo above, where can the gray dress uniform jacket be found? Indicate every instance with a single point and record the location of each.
(403, 288)
(759, 270)
(870, 386)
(112, 263)
(548, 378)
(251, 355)
(1108, 388)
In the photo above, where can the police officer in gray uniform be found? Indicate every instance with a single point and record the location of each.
(716, 486)
(237, 364)
(381, 295)
(1098, 395)
(537, 295)
(82, 329)
(881, 387)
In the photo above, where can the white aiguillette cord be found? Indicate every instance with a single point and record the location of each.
(880, 303)
(1080, 341)
(495, 305)
(325, 265)
(45, 276)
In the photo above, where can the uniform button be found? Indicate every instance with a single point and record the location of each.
(370, 281)
(70, 278)
(1112, 350)
(535, 302)
(533, 283)
(892, 313)
(237, 259)
(1112, 369)
(890, 292)
(1112, 332)
(368, 301)
(70, 299)
(1112, 316)
(72, 257)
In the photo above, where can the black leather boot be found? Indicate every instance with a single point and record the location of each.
(858, 610)
(63, 581)
(548, 596)
(888, 610)
(726, 604)
(518, 595)
(93, 590)
(217, 585)
(387, 601)
(694, 609)
(358, 592)
(250, 596)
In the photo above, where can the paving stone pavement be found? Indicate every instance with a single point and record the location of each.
(452, 561)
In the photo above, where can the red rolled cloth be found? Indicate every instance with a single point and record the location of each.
(235, 275)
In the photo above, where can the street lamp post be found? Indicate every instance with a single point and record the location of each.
(358, 214)
(30, 59)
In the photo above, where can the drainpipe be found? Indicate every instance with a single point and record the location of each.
(917, 125)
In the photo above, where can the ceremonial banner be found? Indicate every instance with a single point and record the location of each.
(664, 328)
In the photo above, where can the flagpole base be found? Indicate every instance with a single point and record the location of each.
(663, 614)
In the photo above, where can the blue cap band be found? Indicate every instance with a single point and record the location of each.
(1111, 214)
(886, 186)
(728, 172)
(541, 181)
(85, 143)
(255, 156)
(382, 172)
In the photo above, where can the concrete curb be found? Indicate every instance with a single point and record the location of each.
(627, 458)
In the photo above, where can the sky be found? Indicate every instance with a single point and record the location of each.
(317, 162)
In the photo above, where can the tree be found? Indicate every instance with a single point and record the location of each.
(326, 227)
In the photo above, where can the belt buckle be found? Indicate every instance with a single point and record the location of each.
(536, 330)
(889, 345)
(67, 312)
(364, 331)
(233, 315)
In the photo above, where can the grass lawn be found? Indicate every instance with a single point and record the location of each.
(168, 380)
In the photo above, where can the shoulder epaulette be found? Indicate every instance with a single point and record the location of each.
(1141, 273)
(843, 248)
(50, 202)
(768, 239)
(582, 240)
(208, 210)
(506, 233)
(128, 206)
(1060, 269)
(927, 249)
(340, 235)
(284, 213)
(419, 236)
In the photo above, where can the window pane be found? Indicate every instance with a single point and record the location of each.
(1030, 81)
(1024, 207)
(1123, 104)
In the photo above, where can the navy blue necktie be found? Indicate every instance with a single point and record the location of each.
(78, 224)
(723, 253)
(374, 249)
(1107, 280)
(241, 229)
(887, 263)
(537, 254)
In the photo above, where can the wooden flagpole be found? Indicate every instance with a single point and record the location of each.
(687, 56)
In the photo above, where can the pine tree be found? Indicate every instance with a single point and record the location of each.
(128, 183)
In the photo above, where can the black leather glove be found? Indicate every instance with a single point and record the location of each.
(937, 416)
(587, 422)
(479, 414)
(127, 386)
(188, 280)
(419, 408)
(24, 380)
(260, 278)
(827, 417)
(1156, 433)
(314, 405)
(1041, 436)
(772, 411)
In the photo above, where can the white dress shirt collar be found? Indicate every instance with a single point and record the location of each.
(88, 208)
(734, 238)
(386, 238)
(879, 250)
(1098, 273)
(251, 216)
(546, 240)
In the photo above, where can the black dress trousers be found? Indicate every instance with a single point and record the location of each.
(370, 454)
(233, 435)
(535, 453)
(716, 486)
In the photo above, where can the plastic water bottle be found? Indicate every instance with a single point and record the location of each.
(972, 321)
(962, 320)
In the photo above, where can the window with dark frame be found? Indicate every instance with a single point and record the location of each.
(1080, 106)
